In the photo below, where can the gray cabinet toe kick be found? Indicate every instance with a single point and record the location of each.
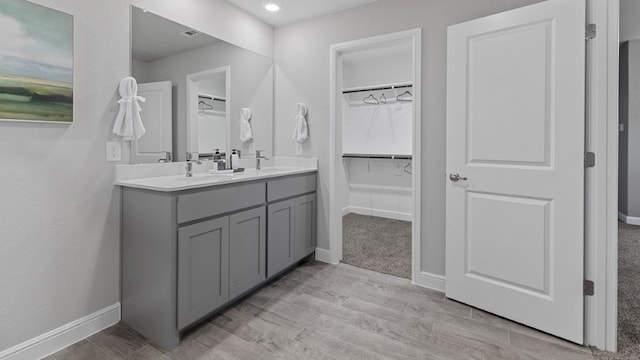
(189, 254)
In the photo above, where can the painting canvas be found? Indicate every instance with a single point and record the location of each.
(36, 63)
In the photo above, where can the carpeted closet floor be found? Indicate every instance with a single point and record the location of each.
(628, 295)
(378, 244)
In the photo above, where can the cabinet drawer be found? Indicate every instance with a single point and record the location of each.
(290, 186)
(202, 204)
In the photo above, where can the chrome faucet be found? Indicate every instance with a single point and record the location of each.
(168, 157)
(258, 157)
(192, 157)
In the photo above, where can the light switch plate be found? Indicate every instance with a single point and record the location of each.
(114, 151)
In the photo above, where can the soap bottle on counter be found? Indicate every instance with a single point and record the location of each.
(234, 159)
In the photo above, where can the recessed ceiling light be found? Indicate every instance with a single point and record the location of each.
(273, 7)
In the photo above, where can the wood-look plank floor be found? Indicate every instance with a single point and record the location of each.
(321, 311)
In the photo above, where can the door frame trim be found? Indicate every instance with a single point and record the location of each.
(601, 191)
(334, 253)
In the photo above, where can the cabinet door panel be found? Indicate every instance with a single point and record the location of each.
(203, 269)
(280, 247)
(247, 267)
(305, 225)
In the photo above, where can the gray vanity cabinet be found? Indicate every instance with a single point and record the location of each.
(247, 250)
(281, 252)
(292, 221)
(203, 269)
(188, 253)
(305, 225)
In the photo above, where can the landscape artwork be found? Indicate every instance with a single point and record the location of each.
(36, 63)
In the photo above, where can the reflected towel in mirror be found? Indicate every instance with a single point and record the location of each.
(128, 122)
(246, 133)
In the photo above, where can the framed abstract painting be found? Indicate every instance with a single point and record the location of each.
(36, 63)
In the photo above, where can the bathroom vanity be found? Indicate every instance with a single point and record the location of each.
(190, 247)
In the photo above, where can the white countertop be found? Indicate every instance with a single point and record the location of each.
(205, 179)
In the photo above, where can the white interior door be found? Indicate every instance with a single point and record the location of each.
(157, 113)
(515, 131)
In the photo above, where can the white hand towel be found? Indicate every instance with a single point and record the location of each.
(301, 131)
(128, 122)
(246, 133)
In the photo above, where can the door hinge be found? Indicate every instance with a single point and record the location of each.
(589, 160)
(589, 288)
(590, 31)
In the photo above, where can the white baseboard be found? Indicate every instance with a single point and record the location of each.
(377, 212)
(431, 281)
(628, 219)
(69, 334)
(325, 256)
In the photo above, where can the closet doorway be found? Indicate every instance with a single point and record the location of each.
(375, 129)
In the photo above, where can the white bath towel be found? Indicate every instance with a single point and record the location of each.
(246, 132)
(301, 131)
(128, 122)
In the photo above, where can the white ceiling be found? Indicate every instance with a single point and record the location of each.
(292, 11)
(155, 37)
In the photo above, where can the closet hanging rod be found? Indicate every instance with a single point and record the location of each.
(211, 97)
(376, 156)
(387, 87)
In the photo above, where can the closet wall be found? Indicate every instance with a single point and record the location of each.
(378, 187)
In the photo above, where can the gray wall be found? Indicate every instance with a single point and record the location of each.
(629, 158)
(629, 24)
(623, 143)
(60, 229)
(251, 86)
(59, 253)
(302, 75)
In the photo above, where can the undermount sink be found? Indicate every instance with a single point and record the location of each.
(230, 175)
(204, 177)
(265, 171)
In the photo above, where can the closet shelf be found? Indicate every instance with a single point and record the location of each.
(377, 156)
(212, 112)
(403, 85)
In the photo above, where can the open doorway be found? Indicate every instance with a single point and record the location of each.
(208, 118)
(375, 155)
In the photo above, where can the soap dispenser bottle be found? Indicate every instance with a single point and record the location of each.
(234, 159)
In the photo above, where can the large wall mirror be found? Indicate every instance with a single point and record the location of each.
(196, 87)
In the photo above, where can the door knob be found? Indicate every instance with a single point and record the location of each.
(455, 177)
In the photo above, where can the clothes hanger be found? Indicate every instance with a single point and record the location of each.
(407, 93)
(383, 99)
(204, 106)
(373, 100)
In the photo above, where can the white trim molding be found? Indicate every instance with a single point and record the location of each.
(628, 219)
(325, 256)
(395, 215)
(430, 281)
(69, 334)
(601, 190)
(335, 210)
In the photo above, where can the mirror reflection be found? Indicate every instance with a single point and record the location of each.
(196, 87)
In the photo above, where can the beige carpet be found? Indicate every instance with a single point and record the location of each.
(378, 244)
(628, 295)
